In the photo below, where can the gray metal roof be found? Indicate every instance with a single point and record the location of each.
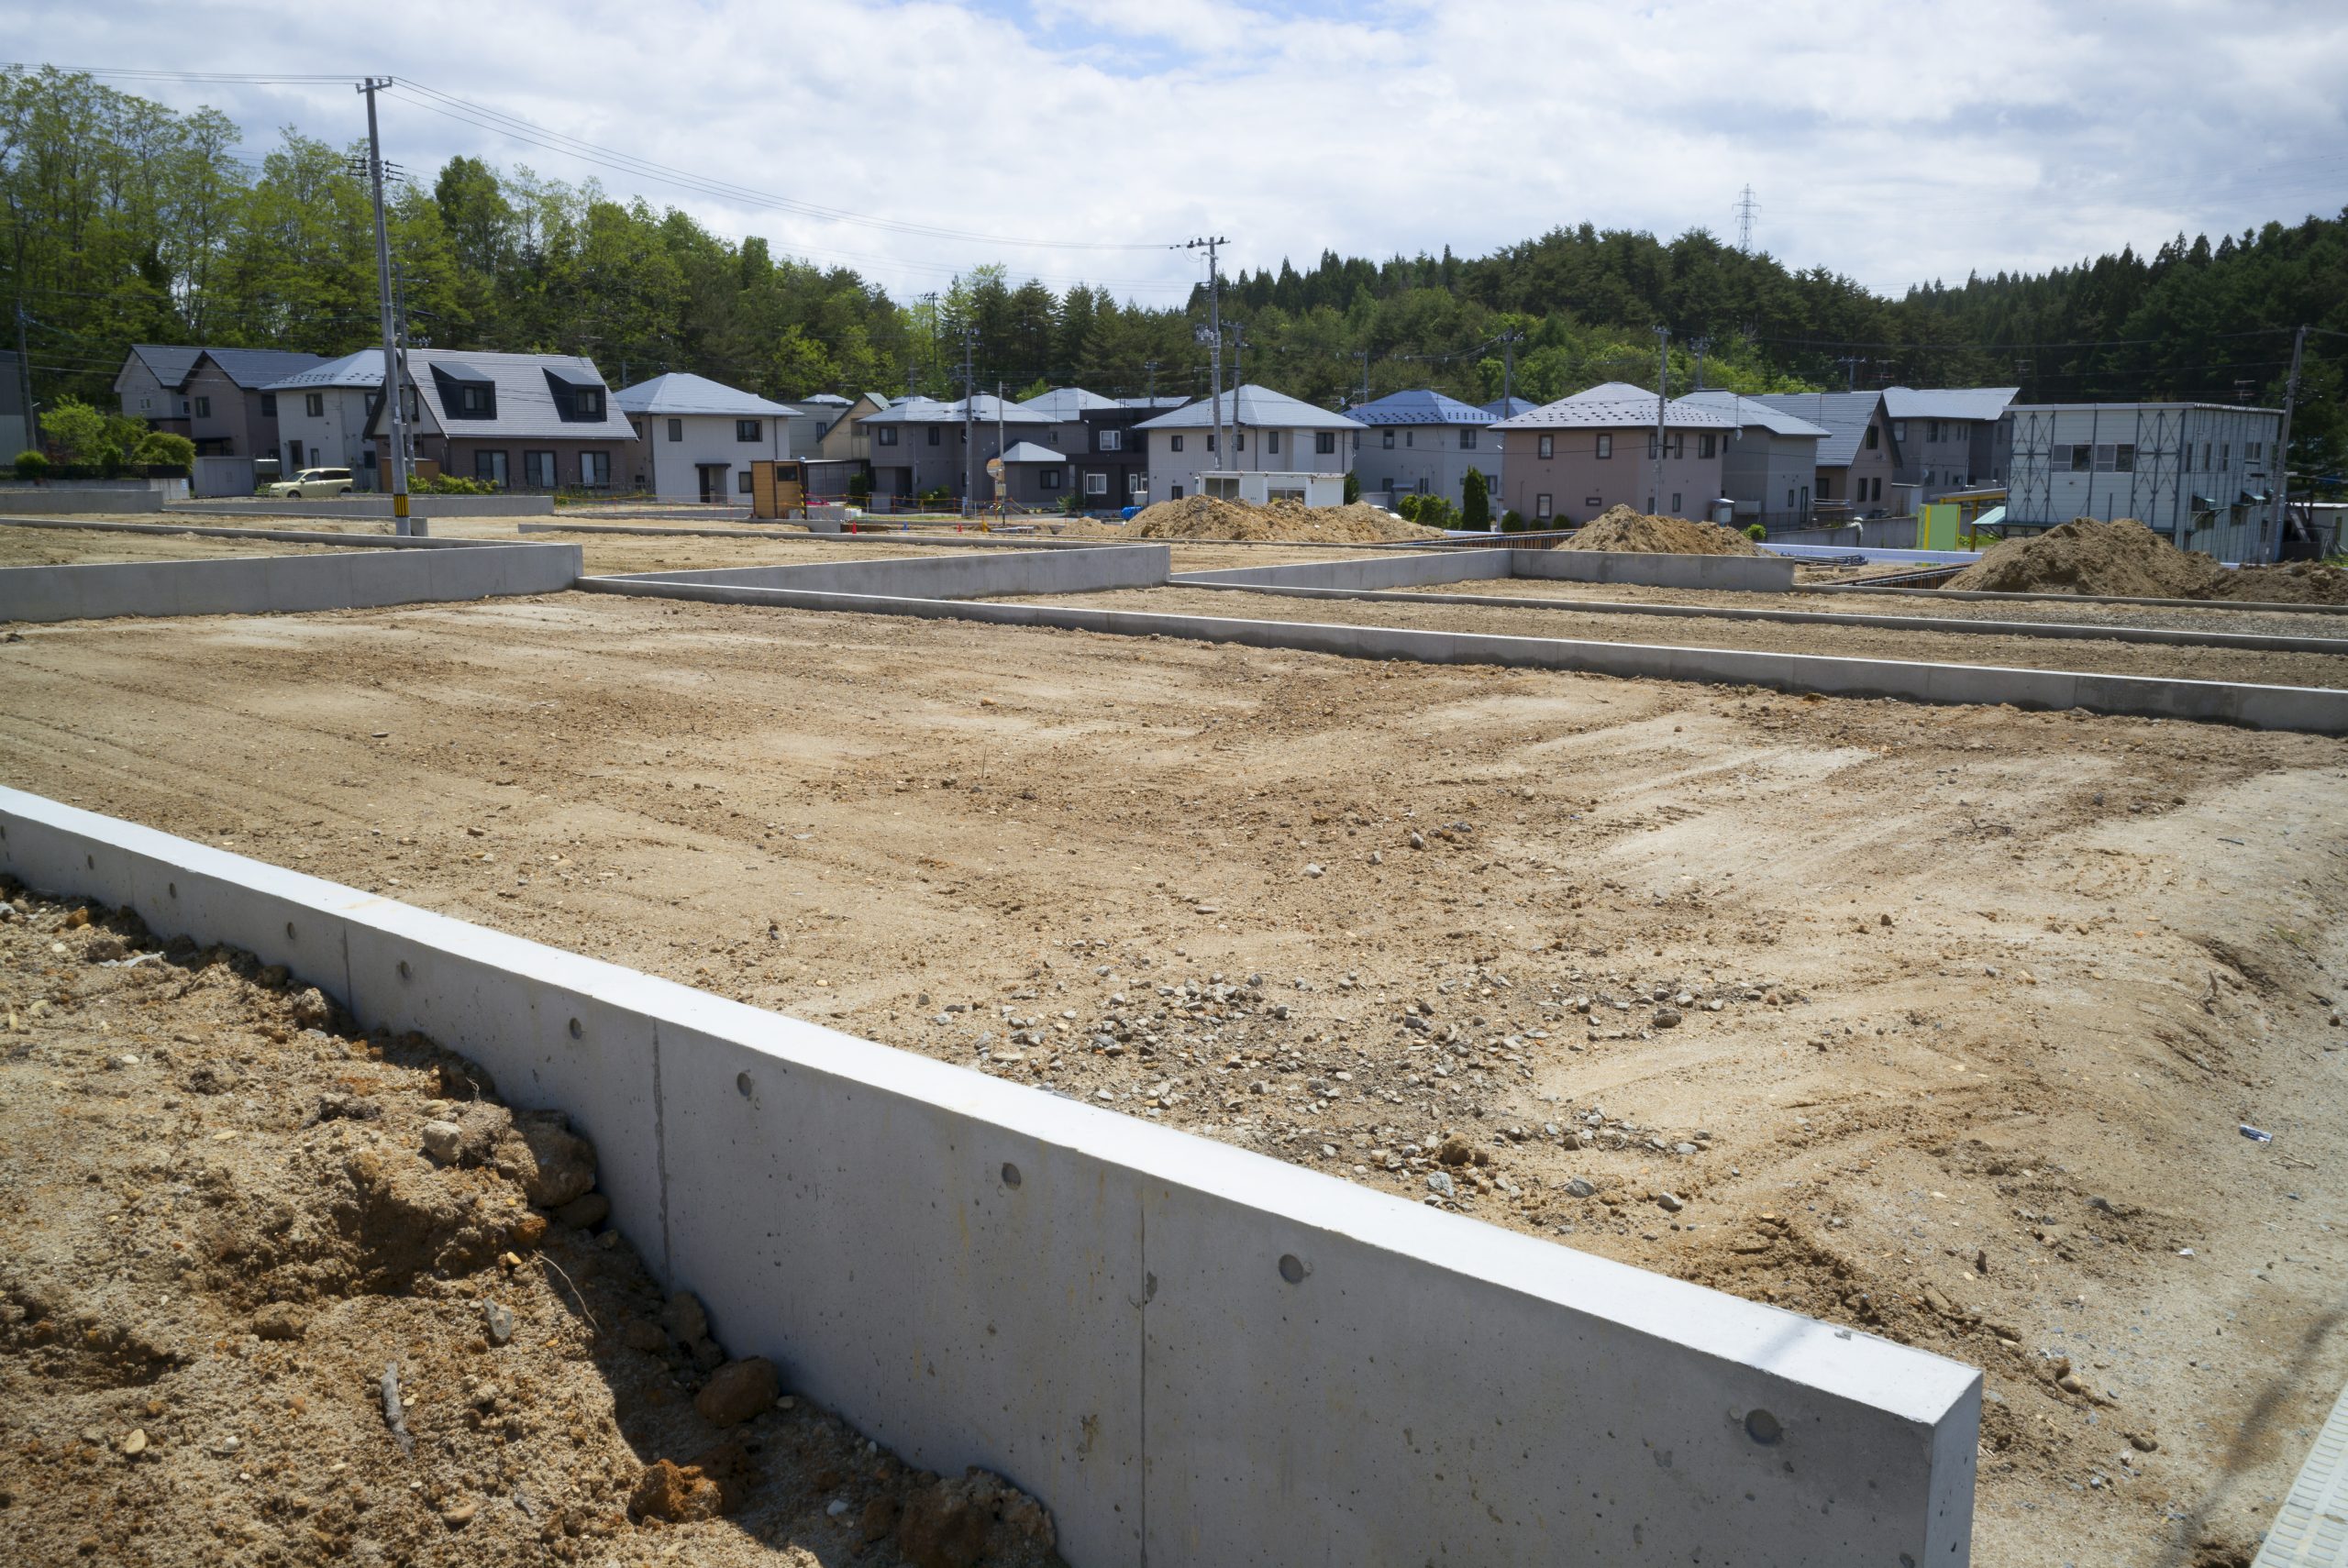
(364, 369)
(682, 392)
(1064, 404)
(253, 368)
(1844, 415)
(1257, 407)
(1422, 406)
(1985, 404)
(985, 408)
(167, 362)
(1745, 410)
(1509, 407)
(525, 405)
(1028, 452)
(1615, 405)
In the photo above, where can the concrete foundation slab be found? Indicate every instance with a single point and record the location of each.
(947, 577)
(262, 585)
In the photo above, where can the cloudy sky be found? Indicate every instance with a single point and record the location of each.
(1076, 139)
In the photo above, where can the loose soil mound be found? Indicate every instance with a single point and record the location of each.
(2124, 558)
(1204, 517)
(1620, 528)
(225, 1213)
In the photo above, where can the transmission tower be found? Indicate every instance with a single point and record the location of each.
(1746, 209)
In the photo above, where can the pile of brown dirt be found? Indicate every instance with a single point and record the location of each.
(2123, 558)
(1620, 528)
(1204, 517)
(2301, 583)
(225, 1214)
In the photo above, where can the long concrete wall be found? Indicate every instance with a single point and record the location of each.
(2320, 711)
(354, 540)
(375, 506)
(947, 577)
(1762, 574)
(17, 503)
(260, 585)
(1364, 572)
(1193, 1354)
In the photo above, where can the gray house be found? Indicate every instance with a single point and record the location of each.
(1947, 437)
(1423, 443)
(1269, 431)
(1110, 461)
(2202, 474)
(522, 422)
(919, 446)
(1858, 462)
(216, 397)
(1769, 466)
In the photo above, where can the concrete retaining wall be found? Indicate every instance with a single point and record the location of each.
(1192, 1353)
(20, 503)
(355, 540)
(261, 585)
(2319, 711)
(947, 577)
(1368, 572)
(1762, 574)
(374, 506)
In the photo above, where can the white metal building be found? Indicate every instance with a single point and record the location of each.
(697, 439)
(2200, 474)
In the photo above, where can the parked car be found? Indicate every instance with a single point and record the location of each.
(312, 482)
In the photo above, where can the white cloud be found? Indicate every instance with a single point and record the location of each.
(1896, 143)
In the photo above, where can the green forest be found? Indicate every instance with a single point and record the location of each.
(129, 222)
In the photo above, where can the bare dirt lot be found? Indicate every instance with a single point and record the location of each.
(2195, 663)
(1939, 1023)
(76, 546)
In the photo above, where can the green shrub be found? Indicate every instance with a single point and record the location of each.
(1406, 505)
(1353, 487)
(1514, 522)
(451, 484)
(1476, 500)
(161, 448)
(1755, 532)
(859, 488)
(31, 465)
(1436, 512)
(939, 499)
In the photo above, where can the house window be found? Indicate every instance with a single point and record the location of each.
(314, 405)
(1239, 441)
(933, 435)
(1679, 445)
(1271, 443)
(1111, 440)
(293, 456)
(537, 469)
(749, 430)
(1176, 493)
(1048, 479)
(1211, 440)
(1137, 484)
(475, 399)
(1875, 438)
(1931, 431)
(1541, 508)
(2225, 453)
(1386, 440)
(1467, 438)
(1324, 442)
(2082, 457)
(595, 470)
(1675, 503)
(1409, 438)
(1655, 448)
(1356, 440)
(203, 408)
(1547, 447)
(676, 430)
(587, 403)
(1175, 445)
(742, 481)
(1096, 484)
(886, 436)
(1899, 430)
(1704, 447)
(490, 465)
(269, 405)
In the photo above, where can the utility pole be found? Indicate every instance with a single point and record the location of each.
(394, 383)
(969, 406)
(1151, 366)
(1699, 345)
(1238, 380)
(1003, 485)
(1509, 340)
(2282, 444)
(1851, 363)
(1211, 245)
(1662, 396)
(25, 378)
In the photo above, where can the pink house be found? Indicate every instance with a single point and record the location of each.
(1569, 461)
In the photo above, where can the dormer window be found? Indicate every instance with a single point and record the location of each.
(578, 395)
(465, 393)
(475, 400)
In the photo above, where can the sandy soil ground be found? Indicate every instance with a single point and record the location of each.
(1938, 1022)
(220, 1228)
(1775, 636)
(60, 546)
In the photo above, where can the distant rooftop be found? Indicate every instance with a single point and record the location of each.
(1423, 406)
(1843, 413)
(1257, 407)
(1616, 405)
(680, 392)
(1947, 402)
(1064, 404)
(1744, 411)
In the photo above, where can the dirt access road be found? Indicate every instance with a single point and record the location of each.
(1934, 1022)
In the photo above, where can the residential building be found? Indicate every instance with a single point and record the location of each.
(16, 422)
(1858, 462)
(1423, 443)
(1110, 462)
(2200, 474)
(322, 415)
(697, 438)
(1269, 431)
(522, 422)
(920, 445)
(1947, 437)
(844, 438)
(1032, 475)
(214, 397)
(1509, 407)
(1770, 464)
(1569, 461)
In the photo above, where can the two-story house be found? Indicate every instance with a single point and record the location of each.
(1610, 446)
(217, 398)
(1770, 464)
(1858, 460)
(322, 415)
(697, 438)
(1267, 432)
(922, 444)
(1947, 437)
(525, 422)
(1108, 462)
(1423, 443)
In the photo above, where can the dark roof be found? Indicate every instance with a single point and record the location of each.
(525, 402)
(1419, 407)
(1509, 407)
(985, 409)
(1745, 410)
(680, 391)
(1844, 415)
(253, 368)
(167, 363)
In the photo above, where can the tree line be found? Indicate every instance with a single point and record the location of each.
(129, 222)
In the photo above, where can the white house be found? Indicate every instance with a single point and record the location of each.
(322, 415)
(1269, 431)
(698, 438)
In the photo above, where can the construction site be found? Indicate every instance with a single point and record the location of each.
(1187, 1043)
